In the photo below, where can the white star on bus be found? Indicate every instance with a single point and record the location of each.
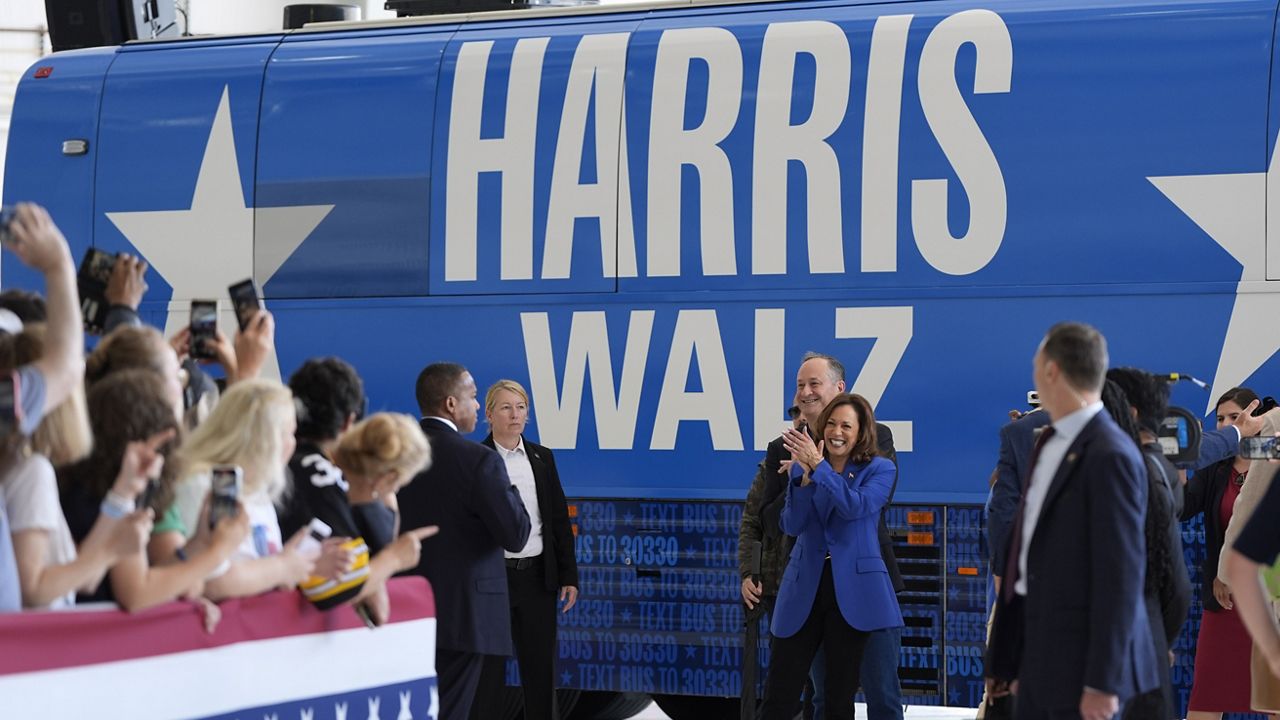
(1232, 209)
(211, 245)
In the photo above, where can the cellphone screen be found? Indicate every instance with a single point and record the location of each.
(246, 300)
(91, 282)
(8, 406)
(225, 490)
(1259, 448)
(204, 316)
(204, 324)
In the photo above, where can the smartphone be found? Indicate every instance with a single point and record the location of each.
(204, 328)
(225, 486)
(317, 532)
(246, 299)
(91, 281)
(148, 494)
(6, 217)
(362, 612)
(9, 414)
(1260, 448)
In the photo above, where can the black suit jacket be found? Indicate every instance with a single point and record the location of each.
(1204, 495)
(466, 492)
(558, 558)
(1083, 621)
(775, 499)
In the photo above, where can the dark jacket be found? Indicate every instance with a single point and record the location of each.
(467, 493)
(1016, 440)
(1204, 495)
(1083, 622)
(558, 558)
(774, 499)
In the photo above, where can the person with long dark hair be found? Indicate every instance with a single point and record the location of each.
(1221, 683)
(836, 587)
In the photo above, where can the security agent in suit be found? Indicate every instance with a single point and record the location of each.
(1016, 439)
(466, 493)
(540, 571)
(1071, 625)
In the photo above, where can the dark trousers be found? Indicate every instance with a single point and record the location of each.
(458, 674)
(533, 630)
(791, 657)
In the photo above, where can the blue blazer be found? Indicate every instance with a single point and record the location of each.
(1017, 438)
(837, 514)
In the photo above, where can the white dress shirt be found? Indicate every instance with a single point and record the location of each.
(1065, 431)
(521, 474)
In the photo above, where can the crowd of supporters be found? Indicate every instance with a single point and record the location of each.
(107, 479)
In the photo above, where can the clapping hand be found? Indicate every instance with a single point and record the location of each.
(802, 448)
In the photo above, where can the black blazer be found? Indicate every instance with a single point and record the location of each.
(775, 498)
(557, 536)
(466, 492)
(1084, 620)
(1204, 495)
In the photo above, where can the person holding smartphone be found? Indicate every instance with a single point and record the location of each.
(134, 433)
(47, 382)
(252, 428)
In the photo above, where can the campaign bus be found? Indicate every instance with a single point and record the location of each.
(647, 213)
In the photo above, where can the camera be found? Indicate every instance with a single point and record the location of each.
(91, 281)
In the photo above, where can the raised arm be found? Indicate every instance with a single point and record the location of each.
(40, 245)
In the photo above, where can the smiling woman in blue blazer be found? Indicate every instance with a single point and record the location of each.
(836, 587)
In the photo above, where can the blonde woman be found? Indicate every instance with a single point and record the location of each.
(378, 456)
(541, 571)
(50, 569)
(252, 428)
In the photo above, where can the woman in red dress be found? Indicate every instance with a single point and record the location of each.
(1221, 683)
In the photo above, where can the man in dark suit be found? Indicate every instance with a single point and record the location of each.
(466, 492)
(1071, 636)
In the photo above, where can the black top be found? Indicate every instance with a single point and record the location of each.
(1260, 539)
(467, 493)
(320, 491)
(1166, 577)
(1204, 494)
(80, 507)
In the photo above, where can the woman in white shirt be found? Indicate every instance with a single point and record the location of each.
(252, 427)
(50, 570)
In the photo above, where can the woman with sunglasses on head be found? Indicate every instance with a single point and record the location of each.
(836, 587)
